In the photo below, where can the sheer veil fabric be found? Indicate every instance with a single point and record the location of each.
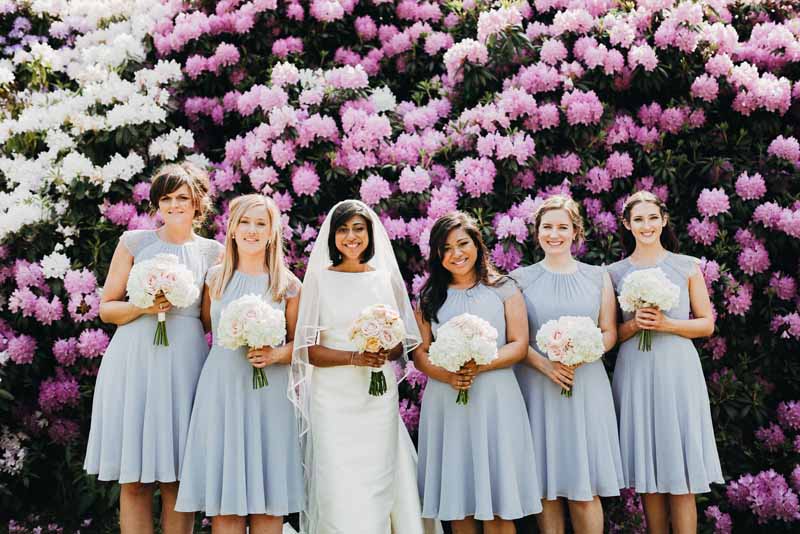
(308, 334)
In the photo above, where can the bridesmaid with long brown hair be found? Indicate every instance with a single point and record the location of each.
(475, 461)
(666, 433)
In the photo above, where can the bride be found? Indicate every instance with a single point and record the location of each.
(359, 462)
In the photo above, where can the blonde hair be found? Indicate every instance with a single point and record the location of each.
(279, 275)
(560, 202)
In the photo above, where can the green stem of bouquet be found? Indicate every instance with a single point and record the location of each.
(463, 397)
(259, 378)
(645, 340)
(160, 337)
(377, 384)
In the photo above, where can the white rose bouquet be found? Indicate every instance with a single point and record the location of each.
(163, 274)
(571, 341)
(460, 340)
(250, 321)
(377, 327)
(648, 288)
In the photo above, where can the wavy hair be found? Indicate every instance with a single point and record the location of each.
(434, 291)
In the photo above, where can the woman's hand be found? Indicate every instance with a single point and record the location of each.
(369, 359)
(560, 374)
(652, 319)
(161, 305)
(464, 377)
(262, 357)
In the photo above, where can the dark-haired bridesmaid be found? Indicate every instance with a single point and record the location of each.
(666, 434)
(475, 459)
(575, 439)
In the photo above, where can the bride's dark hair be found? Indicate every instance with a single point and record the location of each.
(434, 291)
(343, 213)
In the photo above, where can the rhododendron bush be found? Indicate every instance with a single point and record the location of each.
(417, 108)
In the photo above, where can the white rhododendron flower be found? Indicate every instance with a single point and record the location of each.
(55, 265)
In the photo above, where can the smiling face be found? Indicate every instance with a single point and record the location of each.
(177, 208)
(459, 253)
(646, 223)
(556, 232)
(253, 231)
(352, 238)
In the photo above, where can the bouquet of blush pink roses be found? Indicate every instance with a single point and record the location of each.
(378, 327)
(161, 274)
(250, 321)
(571, 341)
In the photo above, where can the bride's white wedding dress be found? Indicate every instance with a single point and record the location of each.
(363, 475)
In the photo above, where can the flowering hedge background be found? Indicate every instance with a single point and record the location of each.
(417, 108)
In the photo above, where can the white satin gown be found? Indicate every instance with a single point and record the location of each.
(363, 476)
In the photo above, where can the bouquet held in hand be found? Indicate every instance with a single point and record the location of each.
(571, 341)
(648, 288)
(161, 274)
(250, 321)
(460, 340)
(377, 328)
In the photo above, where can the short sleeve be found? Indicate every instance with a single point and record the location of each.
(292, 287)
(212, 251)
(594, 273)
(136, 240)
(212, 274)
(617, 271)
(521, 276)
(506, 288)
(685, 265)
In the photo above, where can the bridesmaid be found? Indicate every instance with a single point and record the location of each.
(243, 452)
(474, 460)
(575, 439)
(143, 395)
(665, 427)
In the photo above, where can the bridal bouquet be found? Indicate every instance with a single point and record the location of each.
(460, 340)
(377, 327)
(249, 321)
(648, 288)
(161, 274)
(571, 341)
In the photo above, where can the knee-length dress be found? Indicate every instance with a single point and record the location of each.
(243, 453)
(144, 392)
(665, 428)
(575, 438)
(476, 460)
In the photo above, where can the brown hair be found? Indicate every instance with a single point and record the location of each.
(170, 177)
(668, 238)
(434, 291)
(560, 202)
